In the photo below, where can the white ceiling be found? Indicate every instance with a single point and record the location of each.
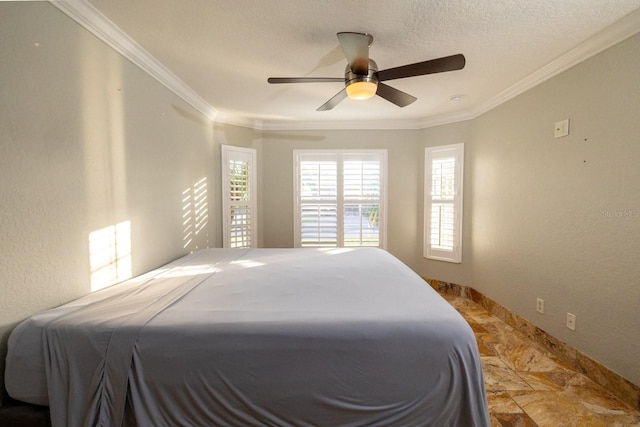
(224, 50)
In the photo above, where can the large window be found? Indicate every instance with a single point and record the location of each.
(239, 197)
(339, 198)
(443, 179)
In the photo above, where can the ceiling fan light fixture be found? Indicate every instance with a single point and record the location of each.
(361, 89)
(361, 86)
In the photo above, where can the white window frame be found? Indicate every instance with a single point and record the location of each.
(230, 152)
(339, 155)
(454, 253)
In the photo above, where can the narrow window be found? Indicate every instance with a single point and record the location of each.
(239, 197)
(339, 198)
(443, 180)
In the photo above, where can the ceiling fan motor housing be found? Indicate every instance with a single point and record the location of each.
(361, 86)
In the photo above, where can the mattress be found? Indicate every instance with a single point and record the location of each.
(255, 337)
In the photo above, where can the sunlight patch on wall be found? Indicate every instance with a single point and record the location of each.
(195, 213)
(187, 217)
(110, 255)
(200, 205)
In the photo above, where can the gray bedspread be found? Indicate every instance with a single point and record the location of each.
(255, 337)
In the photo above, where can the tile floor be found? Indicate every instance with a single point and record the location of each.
(528, 387)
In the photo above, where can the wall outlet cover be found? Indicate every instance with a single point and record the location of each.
(571, 321)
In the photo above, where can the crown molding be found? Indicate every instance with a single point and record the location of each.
(619, 31)
(235, 120)
(369, 124)
(95, 22)
(339, 125)
(99, 25)
(444, 119)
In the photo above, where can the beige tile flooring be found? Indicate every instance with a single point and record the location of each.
(526, 386)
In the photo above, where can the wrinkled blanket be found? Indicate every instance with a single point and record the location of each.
(255, 337)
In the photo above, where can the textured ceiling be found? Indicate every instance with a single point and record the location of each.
(225, 50)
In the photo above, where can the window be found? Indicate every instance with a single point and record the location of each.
(339, 198)
(239, 197)
(443, 202)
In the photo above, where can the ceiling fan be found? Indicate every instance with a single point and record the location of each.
(362, 79)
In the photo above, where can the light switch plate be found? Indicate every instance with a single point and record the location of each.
(561, 128)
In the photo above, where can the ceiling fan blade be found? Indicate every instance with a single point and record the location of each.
(277, 80)
(440, 65)
(356, 49)
(337, 98)
(395, 96)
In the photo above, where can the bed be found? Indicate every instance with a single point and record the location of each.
(255, 337)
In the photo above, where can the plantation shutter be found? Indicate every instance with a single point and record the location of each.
(239, 198)
(443, 202)
(362, 196)
(339, 198)
(318, 201)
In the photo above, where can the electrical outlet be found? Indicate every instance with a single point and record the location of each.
(540, 305)
(571, 321)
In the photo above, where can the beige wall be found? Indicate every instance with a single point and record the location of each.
(87, 140)
(559, 219)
